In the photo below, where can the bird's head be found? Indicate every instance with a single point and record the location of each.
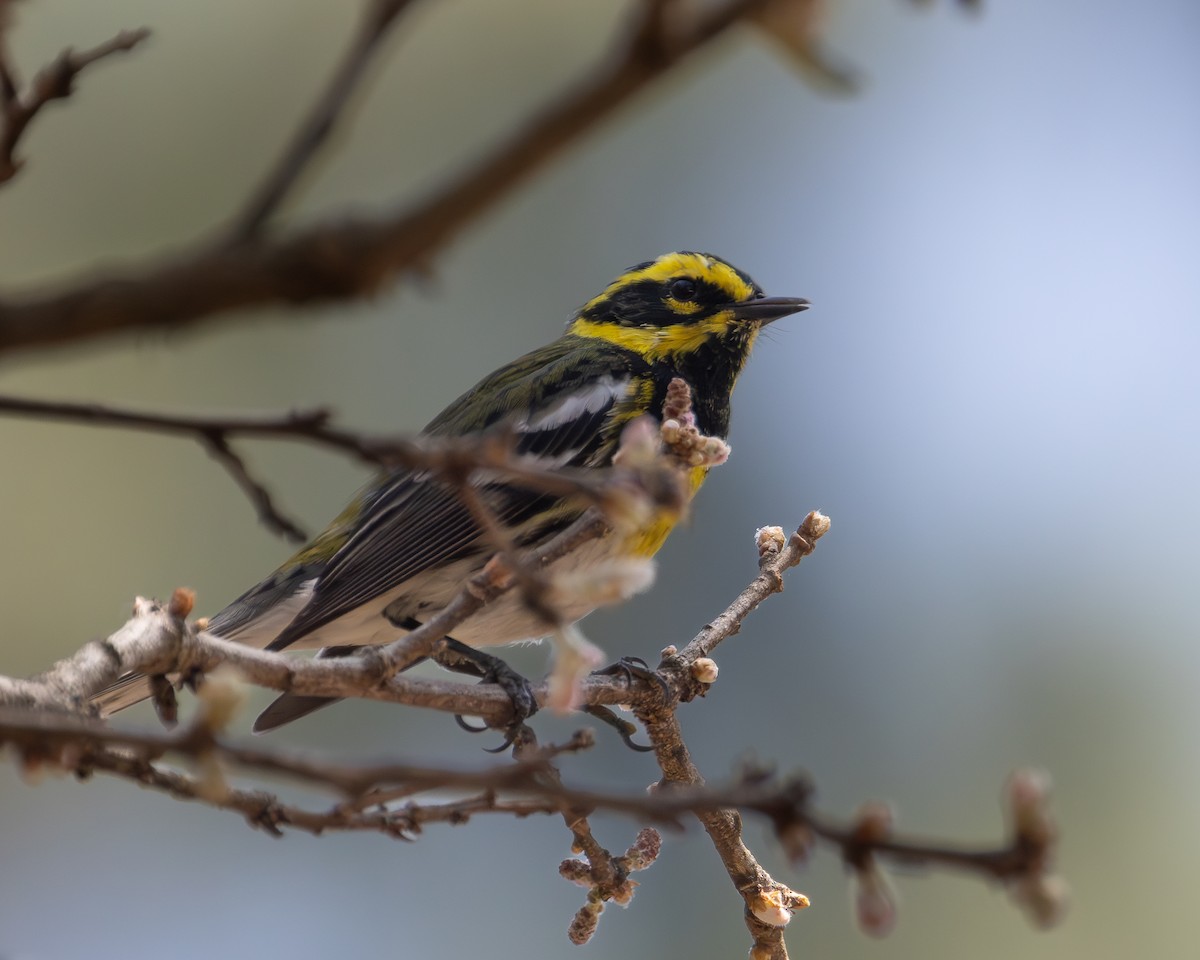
(681, 304)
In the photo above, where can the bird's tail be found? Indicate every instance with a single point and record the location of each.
(289, 707)
(130, 689)
(135, 687)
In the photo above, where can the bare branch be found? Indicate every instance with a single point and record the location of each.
(455, 458)
(54, 82)
(350, 257)
(367, 798)
(763, 896)
(322, 119)
(774, 559)
(259, 495)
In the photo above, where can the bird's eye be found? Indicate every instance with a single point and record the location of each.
(683, 290)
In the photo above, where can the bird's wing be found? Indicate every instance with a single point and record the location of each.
(257, 616)
(417, 523)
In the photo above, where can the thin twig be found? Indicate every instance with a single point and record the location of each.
(53, 82)
(457, 457)
(724, 827)
(264, 504)
(321, 120)
(772, 565)
(483, 452)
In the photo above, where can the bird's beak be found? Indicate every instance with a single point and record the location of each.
(766, 309)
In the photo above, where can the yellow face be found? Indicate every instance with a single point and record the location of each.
(670, 306)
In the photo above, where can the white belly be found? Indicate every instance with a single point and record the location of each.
(507, 619)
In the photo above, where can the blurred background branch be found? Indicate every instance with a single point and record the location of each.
(352, 257)
(19, 106)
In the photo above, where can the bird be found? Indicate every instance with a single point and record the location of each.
(404, 546)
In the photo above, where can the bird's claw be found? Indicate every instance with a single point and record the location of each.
(635, 668)
(625, 729)
(463, 659)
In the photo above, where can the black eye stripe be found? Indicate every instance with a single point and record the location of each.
(642, 302)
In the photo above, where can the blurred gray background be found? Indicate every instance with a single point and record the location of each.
(994, 398)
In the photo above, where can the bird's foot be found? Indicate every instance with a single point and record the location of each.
(625, 728)
(460, 658)
(630, 669)
(635, 668)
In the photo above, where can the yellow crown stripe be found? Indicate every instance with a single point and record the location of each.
(674, 265)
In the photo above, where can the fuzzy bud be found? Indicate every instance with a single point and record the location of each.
(1028, 794)
(211, 784)
(183, 601)
(874, 901)
(33, 767)
(769, 541)
(576, 871)
(583, 926)
(705, 670)
(574, 657)
(1043, 899)
(775, 907)
(638, 445)
(678, 402)
(221, 697)
(645, 850)
(626, 507)
(815, 526)
(603, 584)
(716, 451)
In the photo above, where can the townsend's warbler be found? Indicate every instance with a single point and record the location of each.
(404, 547)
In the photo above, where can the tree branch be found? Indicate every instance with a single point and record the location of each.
(352, 257)
(321, 120)
(769, 904)
(54, 82)
(449, 457)
(383, 797)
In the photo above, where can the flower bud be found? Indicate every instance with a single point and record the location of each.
(705, 670)
(874, 901)
(1042, 898)
(775, 907)
(1028, 794)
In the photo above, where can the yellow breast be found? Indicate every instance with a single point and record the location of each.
(647, 541)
